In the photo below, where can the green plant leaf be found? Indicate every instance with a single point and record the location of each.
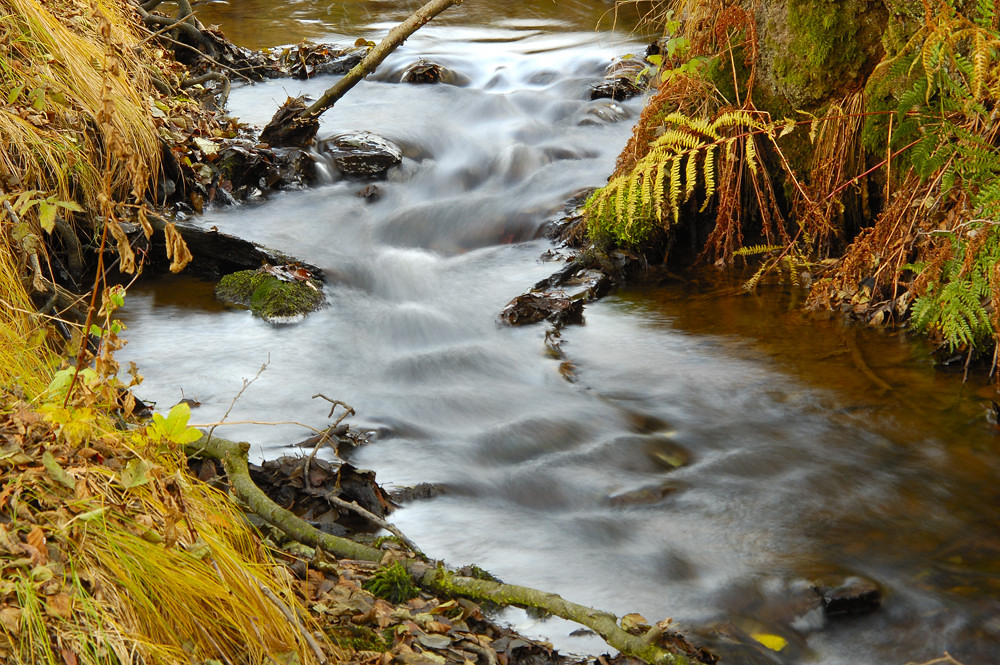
(57, 472)
(135, 474)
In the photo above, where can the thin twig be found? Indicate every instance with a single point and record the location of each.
(349, 411)
(294, 620)
(378, 521)
(246, 384)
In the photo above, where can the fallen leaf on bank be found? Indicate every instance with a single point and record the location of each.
(35, 542)
(59, 605)
(57, 472)
(10, 618)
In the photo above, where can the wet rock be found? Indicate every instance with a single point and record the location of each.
(278, 294)
(642, 496)
(602, 114)
(533, 307)
(420, 492)
(428, 71)
(853, 595)
(666, 453)
(361, 154)
(623, 79)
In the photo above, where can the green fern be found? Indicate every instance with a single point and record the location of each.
(633, 205)
(955, 308)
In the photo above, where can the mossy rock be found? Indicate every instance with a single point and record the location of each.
(268, 297)
(814, 51)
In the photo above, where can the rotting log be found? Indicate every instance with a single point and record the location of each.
(296, 124)
(433, 577)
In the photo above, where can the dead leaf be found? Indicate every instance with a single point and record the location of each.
(177, 249)
(10, 618)
(125, 254)
(59, 605)
(69, 657)
(36, 541)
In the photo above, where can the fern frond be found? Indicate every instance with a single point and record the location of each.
(675, 187)
(751, 155)
(690, 175)
(754, 250)
(708, 172)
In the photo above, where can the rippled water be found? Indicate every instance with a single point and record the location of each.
(800, 465)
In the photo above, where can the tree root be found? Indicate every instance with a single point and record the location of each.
(435, 577)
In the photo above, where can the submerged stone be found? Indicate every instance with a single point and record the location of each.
(269, 296)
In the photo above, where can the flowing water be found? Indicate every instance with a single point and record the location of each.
(800, 464)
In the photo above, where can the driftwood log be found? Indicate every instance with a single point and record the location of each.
(296, 124)
(434, 576)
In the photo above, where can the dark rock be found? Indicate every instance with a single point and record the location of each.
(533, 307)
(419, 492)
(427, 71)
(215, 253)
(361, 154)
(288, 127)
(854, 595)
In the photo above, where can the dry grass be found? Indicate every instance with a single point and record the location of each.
(76, 123)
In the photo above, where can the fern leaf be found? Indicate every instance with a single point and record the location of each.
(675, 187)
(690, 175)
(708, 173)
(751, 155)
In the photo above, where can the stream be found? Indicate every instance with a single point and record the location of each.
(800, 465)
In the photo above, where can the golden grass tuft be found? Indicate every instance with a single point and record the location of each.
(74, 102)
(139, 563)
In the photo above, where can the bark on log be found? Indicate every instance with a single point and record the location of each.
(435, 578)
(297, 126)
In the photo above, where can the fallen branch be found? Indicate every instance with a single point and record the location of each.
(435, 578)
(296, 124)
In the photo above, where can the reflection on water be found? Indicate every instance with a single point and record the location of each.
(264, 23)
(795, 463)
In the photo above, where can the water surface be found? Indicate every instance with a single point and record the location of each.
(800, 465)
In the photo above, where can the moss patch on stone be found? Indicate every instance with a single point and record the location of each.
(815, 50)
(269, 297)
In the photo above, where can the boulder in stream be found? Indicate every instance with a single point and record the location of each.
(277, 294)
(361, 154)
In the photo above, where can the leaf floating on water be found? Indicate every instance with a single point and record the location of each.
(772, 642)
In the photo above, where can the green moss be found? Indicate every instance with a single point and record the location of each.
(267, 296)
(393, 583)
(361, 638)
(816, 50)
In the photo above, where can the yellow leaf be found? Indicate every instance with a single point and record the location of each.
(772, 642)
